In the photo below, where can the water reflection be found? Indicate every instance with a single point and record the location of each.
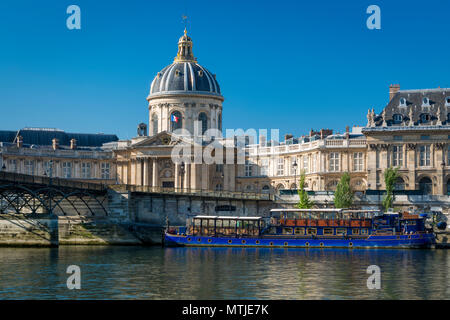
(222, 273)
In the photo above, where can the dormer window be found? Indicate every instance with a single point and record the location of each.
(402, 102)
(398, 118)
(447, 101)
(200, 73)
(425, 101)
(425, 117)
(159, 75)
(177, 73)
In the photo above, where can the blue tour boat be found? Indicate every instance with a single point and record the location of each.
(321, 228)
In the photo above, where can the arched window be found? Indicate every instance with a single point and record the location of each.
(154, 124)
(176, 121)
(399, 184)
(293, 186)
(402, 102)
(425, 185)
(266, 189)
(219, 187)
(204, 121)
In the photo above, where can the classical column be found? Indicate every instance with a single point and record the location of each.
(205, 177)
(125, 173)
(411, 152)
(138, 172)
(187, 176)
(177, 176)
(155, 176)
(146, 183)
(133, 172)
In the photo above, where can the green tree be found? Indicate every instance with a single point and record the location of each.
(390, 177)
(304, 202)
(343, 197)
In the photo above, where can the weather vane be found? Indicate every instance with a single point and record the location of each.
(185, 21)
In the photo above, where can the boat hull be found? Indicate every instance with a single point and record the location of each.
(402, 241)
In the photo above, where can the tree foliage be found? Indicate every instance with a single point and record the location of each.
(304, 202)
(343, 197)
(390, 177)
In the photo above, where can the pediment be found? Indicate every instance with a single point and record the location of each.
(162, 139)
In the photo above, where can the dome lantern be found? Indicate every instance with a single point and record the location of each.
(185, 49)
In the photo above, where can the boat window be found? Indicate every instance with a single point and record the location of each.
(211, 222)
(300, 231)
(311, 231)
(341, 231)
(364, 231)
(355, 231)
(273, 230)
(328, 231)
(197, 222)
(219, 223)
(287, 230)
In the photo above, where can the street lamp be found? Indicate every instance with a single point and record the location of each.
(182, 168)
(295, 173)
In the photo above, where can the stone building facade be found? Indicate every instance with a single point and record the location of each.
(45, 152)
(323, 159)
(412, 133)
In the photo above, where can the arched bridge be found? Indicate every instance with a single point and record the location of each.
(30, 195)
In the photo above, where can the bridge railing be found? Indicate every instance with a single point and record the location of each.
(13, 177)
(195, 192)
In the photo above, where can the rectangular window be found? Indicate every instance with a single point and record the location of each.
(280, 167)
(105, 170)
(311, 231)
(364, 231)
(341, 231)
(300, 231)
(334, 161)
(248, 168)
(328, 231)
(306, 163)
(355, 231)
(398, 138)
(313, 163)
(287, 230)
(67, 169)
(358, 161)
(397, 156)
(29, 167)
(425, 156)
(219, 168)
(424, 137)
(86, 170)
(265, 167)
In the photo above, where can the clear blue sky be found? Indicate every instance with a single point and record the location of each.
(292, 65)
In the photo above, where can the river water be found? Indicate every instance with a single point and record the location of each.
(111, 272)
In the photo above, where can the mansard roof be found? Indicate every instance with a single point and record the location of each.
(425, 106)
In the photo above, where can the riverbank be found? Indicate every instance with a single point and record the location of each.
(53, 231)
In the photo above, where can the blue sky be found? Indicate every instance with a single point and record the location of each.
(292, 65)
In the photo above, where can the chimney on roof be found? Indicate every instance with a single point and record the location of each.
(73, 144)
(393, 89)
(55, 143)
(19, 142)
(288, 136)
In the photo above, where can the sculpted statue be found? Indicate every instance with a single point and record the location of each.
(411, 120)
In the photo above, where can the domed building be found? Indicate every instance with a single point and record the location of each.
(183, 95)
(184, 92)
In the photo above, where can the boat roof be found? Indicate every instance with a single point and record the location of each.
(306, 210)
(227, 217)
(354, 210)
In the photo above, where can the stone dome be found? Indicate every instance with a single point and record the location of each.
(185, 75)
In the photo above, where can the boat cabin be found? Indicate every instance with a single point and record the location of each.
(214, 226)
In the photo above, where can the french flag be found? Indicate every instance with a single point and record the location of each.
(174, 118)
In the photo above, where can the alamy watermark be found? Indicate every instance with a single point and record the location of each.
(74, 280)
(374, 280)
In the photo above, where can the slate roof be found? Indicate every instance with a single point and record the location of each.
(414, 100)
(43, 137)
(180, 77)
